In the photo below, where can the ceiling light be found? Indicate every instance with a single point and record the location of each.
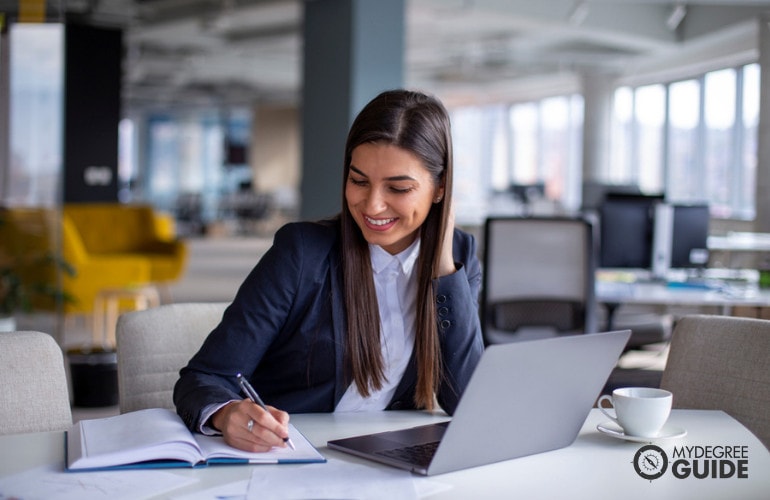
(676, 16)
(578, 13)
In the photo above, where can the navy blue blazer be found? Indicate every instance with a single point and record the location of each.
(285, 330)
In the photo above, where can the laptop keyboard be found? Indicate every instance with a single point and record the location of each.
(418, 454)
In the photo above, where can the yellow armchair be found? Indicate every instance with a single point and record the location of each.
(113, 229)
(108, 245)
(96, 272)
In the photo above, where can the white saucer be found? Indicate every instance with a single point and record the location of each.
(612, 429)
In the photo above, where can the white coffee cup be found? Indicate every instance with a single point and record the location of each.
(640, 411)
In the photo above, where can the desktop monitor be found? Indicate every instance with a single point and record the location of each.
(626, 230)
(594, 193)
(525, 193)
(689, 237)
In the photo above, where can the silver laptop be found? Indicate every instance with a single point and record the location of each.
(523, 398)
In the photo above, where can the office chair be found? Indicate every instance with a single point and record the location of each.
(539, 275)
(154, 344)
(722, 363)
(33, 384)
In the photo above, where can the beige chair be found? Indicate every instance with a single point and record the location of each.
(722, 363)
(33, 384)
(154, 344)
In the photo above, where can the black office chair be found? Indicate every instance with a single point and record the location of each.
(539, 275)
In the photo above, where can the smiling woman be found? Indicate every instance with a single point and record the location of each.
(389, 194)
(374, 309)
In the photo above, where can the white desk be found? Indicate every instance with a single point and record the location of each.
(749, 248)
(595, 466)
(666, 295)
(614, 293)
(740, 242)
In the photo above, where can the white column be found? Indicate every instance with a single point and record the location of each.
(597, 124)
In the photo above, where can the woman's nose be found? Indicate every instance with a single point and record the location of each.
(375, 201)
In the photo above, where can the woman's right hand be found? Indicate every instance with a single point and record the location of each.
(270, 427)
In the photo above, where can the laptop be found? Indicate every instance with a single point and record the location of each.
(523, 398)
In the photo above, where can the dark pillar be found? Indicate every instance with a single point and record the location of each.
(91, 113)
(354, 49)
(762, 220)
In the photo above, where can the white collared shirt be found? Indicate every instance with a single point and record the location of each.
(395, 281)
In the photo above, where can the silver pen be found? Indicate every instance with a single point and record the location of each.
(252, 395)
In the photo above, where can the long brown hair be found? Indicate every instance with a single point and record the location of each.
(419, 124)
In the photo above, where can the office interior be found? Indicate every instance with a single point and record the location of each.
(229, 118)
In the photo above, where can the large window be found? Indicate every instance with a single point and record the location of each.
(480, 145)
(744, 198)
(525, 144)
(684, 155)
(637, 141)
(695, 139)
(650, 113)
(185, 156)
(36, 110)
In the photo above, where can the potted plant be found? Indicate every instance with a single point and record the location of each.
(20, 292)
(29, 269)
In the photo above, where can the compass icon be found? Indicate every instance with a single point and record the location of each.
(650, 462)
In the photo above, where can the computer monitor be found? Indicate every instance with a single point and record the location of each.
(594, 193)
(626, 230)
(525, 193)
(689, 238)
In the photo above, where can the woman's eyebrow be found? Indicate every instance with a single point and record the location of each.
(354, 169)
(394, 178)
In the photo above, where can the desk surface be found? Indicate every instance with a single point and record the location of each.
(724, 293)
(595, 466)
(740, 242)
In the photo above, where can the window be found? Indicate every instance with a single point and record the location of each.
(650, 112)
(36, 114)
(620, 168)
(480, 151)
(638, 137)
(185, 155)
(710, 147)
(719, 97)
(744, 198)
(529, 143)
(684, 155)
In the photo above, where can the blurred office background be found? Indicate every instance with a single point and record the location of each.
(229, 115)
(548, 99)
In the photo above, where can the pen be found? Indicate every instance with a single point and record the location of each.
(252, 394)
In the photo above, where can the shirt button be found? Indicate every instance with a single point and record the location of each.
(443, 311)
(445, 324)
(441, 299)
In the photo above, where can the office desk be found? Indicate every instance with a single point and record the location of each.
(595, 466)
(614, 293)
(666, 295)
(755, 245)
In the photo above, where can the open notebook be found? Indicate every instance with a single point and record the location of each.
(157, 437)
(523, 398)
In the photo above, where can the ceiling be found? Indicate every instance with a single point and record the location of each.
(241, 51)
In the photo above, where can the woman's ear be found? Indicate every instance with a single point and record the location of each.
(439, 194)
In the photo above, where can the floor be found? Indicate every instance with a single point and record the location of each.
(215, 269)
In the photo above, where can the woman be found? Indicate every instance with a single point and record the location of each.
(375, 309)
